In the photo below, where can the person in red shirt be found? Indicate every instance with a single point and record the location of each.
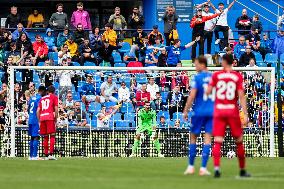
(40, 49)
(229, 89)
(47, 113)
(142, 96)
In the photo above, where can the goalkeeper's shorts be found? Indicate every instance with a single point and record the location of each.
(143, 129)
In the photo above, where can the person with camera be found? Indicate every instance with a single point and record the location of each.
(135, 19)
(117, 21)
(138, 36)
(170, 19)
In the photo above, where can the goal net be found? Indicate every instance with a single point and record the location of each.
(92, 124)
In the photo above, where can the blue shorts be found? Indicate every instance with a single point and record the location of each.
(199, 123)
(34, 130)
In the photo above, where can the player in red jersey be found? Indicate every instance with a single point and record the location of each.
(47, 113)
(229, 89)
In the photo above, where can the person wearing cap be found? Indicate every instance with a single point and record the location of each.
(72, 47)
(170, 19)
(265, 45)
(59, 19)
(81, 16)
(253, 39)
(34, 18)
(49, 39)
(244, 22)
(154, 34)
(117, 21)
(62, 37)
(40, 49)
(80, 34)
(222, 22)
(109, 35)
(197, 24)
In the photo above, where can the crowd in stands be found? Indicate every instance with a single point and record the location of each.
(72, 41)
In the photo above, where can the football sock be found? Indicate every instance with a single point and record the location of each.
(52, 144)
(217, 154)
(241, 155)
(157, 145)
(205, 155)
(192, 154)
(35, 147)
(45, 145)
(135, 146)
(31, 147)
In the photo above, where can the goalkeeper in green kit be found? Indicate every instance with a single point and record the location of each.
(146, 124)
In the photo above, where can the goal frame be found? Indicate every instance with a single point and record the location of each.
(11, 70)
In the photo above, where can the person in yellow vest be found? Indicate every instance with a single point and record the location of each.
(72, 47)
(35, 17)
(109, 35)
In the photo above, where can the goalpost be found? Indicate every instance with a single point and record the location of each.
(9, 145)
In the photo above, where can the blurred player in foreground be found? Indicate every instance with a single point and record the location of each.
(47, 113)
(33, 123)
(229, 89)
(202, 115)
(146, 124)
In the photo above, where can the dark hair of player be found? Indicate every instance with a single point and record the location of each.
(42, 90)
(51, 89)
(176, 41)
(202, 60)
(228, 58)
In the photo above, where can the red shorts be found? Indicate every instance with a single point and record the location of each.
(220, 124)
(47, 127)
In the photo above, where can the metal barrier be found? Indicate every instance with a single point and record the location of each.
(107, 143)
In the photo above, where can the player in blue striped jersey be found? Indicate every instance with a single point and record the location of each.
(33, 122)
(202, 106)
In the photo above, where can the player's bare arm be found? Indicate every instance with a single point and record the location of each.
(243, 103)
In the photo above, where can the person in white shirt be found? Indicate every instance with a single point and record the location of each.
(65, 83)
(63, 54)
(152, 88)
(107, 89)
(208, 28)
(123, 93)
(222, 22)
(69, 102)
(251, 65)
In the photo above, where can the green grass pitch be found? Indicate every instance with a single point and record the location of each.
(137, 173)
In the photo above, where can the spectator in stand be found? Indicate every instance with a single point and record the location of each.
(123, 93)
(49, 39)
(109, 35)
(235, 62)
(63, 37)
(63, 54)
(24, 44)
(229, 51)
(257, 24)
(143, 50)
(86, 52)
(265, 45)
(108, 88)
(80, 34)
(278, 42)
(40, 48)
(18, 94)
(240, 47)
(222, 23)
(95, 38)
(35, 18)
(13, 19)
(180, 79)
(157, 103)
(6, 39)
(170, 19)
(162, 59)
(163, 81)
(245, 57)
(20, 29)
(197, 24)
(280, 22)
(117, 21)
(253, 39)
(175, 101)
(163, 123)
(80, 115)
(69, 103)
(174, 52)
(3, 94)
(138, 36)
(27, 76)
(65, 83)
(135, 19)
(14, 53)
(80, 16)
(154, 34)
(244, 22)
(141, 96)
(59, 19)
(152, 88)
(105, 53)
(89, 91)
(72, 48)
(251, 65)
(151, 58)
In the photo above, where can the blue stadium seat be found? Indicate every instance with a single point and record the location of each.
(54, 56)
(105, 64)
(94, 123)
(129, 116)
(142, 80)
(109, 104)
(94, 107)
(76, 95)
(41, 64)
(122, 124)
(282, 59)
(76, 64)
(89, 64)
(125, 47)
(97, 78)
(56, 85)
(178, 115)
(116, 56)
(270, 58)
(261, 64)
(119, 65)
(98, 87)
(19, 77)
(164, 96)
(258, 57)
(126, 108)
(163, 113)
(117, 117)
